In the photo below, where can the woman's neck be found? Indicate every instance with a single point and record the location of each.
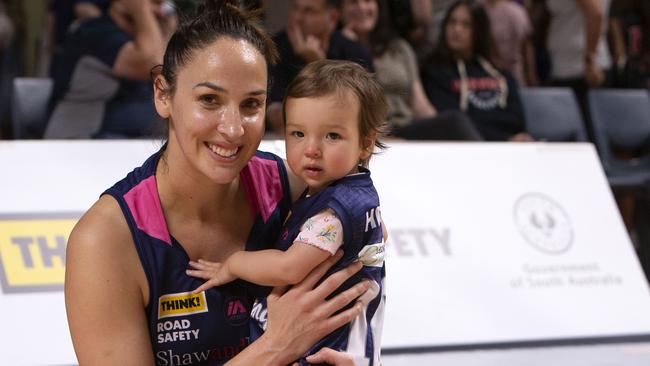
(185, 192)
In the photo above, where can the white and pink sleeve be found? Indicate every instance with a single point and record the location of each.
(323, 230)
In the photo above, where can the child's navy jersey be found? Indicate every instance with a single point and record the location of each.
(356, 203)
(211, 327)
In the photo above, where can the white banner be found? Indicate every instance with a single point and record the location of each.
(488, 243)
(505, 243)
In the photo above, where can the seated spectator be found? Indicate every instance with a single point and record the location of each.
(310, 35)
(101, 86)
(62, 17)
(460, 76)
(410, 114)
(61, 14)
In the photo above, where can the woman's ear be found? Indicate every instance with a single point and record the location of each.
(162, 96)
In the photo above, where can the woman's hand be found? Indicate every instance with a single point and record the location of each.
(332, 357)
(301, 316)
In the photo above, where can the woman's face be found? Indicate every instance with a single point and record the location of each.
(360, 15)
(216, 113)
(459, 32)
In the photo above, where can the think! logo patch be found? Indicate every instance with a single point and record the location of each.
(182, 303)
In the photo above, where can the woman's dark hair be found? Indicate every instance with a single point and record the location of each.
(482, 41)
(210, 20)
(384, 31)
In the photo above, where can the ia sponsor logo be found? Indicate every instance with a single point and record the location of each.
(235, 311)
(32, 251)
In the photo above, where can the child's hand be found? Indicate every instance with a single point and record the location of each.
(215, 273)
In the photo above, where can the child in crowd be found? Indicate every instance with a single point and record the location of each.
(334, 113)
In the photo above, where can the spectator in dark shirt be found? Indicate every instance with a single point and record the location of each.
(63, 16)
(310, 35)
(460, 76)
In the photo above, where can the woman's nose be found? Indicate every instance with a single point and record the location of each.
(230, 124)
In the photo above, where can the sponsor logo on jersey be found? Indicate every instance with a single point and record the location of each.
(259, 313)
(32, 251)
(372, 255)
(182, 303)
(235, 311)
(216, 355)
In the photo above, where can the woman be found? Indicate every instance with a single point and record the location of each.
(460, 76)
(410, 114)
(206, 194)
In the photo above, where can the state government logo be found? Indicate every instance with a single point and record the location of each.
(543, 223)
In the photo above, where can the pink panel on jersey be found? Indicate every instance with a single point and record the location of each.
(261, 180)
(144, 204)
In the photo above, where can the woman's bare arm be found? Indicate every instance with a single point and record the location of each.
(105, 291)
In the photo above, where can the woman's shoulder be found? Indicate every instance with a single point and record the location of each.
(103, 227)
(101, 246)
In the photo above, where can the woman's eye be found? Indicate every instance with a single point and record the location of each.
(252, 104)
(333, 136)
(208, 99)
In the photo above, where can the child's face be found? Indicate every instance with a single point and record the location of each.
(322, 138)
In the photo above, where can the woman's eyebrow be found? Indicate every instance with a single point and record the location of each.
(216, 87)
(210, 85)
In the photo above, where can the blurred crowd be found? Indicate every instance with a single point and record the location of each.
(451, 69)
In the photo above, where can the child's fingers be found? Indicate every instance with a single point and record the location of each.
(197, 265)
(206, 275)
(206, 285)
(205, 266)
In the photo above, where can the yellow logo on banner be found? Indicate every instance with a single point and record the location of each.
(181, 304)
(32, 251)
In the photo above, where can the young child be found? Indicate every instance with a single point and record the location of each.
(334, 112)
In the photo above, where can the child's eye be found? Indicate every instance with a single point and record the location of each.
(333, 136)
(298, 134)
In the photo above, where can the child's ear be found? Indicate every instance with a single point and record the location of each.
(161, 97)
(368, 145)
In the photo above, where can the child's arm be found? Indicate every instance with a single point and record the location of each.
(269, 267)
(320, 237)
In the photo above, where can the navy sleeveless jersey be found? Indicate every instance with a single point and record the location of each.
(356, 203)
(211, 327)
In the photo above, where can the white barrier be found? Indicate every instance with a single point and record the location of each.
(488, 243)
